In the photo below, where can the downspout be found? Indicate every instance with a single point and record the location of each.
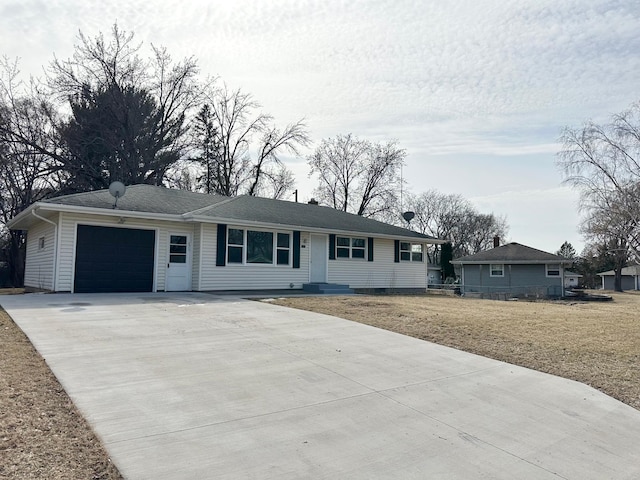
(55, 248)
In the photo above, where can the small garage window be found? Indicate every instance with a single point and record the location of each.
(496, 270)
(553, 270)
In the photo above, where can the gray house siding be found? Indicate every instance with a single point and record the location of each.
(517, 280)
(628, 282)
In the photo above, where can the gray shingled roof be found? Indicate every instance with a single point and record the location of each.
(143, 198)
(256, 209)
(199, 206)
(633, 270)
(512, 253)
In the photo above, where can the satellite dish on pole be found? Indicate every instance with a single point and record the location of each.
(408, 216)
(117, 189)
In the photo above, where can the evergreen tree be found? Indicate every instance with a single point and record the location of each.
(567, 251)
(446, 256)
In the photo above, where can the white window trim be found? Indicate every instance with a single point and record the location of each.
(243, 246)
(351, 248)
(274, 263)
(491, 270)
(410, 251)
(276, 248)
(559, 269)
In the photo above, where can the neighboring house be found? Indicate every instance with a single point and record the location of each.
(571, 279)
(512, 270)
(160, 239)
(630, 278)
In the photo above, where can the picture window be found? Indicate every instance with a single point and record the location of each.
(258, 247)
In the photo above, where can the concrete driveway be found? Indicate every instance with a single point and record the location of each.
(195, 386)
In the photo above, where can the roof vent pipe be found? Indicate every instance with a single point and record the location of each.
(496, 241)
(313, 201)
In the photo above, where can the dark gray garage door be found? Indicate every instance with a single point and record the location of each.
(114, 260)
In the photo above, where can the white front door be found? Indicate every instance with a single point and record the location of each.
(318, 259)
(179, 264)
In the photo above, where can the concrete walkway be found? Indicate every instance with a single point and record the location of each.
(196, 386)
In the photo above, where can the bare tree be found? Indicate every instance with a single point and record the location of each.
(241, 148)
(358, 176)
(603, 163)
(25, 171)
(128, 114)
(609, 225)
(453, 218)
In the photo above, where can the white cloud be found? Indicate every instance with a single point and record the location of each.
(464, 82)
(541, 218)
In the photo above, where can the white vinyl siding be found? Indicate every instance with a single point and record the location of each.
(250, 276)
(39, 266)
(383, 272)
(195, 269)
(66, 256)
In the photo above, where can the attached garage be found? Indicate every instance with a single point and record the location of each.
(110, 259)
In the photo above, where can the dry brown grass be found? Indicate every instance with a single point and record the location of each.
(42, 434)
(591, 342)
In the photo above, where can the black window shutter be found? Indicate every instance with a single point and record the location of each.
(332, 246)
(221, 251)
(396, 251)
(370, 249)
(296, 249)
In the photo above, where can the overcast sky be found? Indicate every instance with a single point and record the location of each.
(476, 91)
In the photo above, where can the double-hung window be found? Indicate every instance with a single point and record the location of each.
(258, 247)
(411, 252)
(351, 247)
(235, 245)
(496, 270)
(283, 247)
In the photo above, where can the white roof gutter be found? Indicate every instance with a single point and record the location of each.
(246, 223)
(189, 217)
